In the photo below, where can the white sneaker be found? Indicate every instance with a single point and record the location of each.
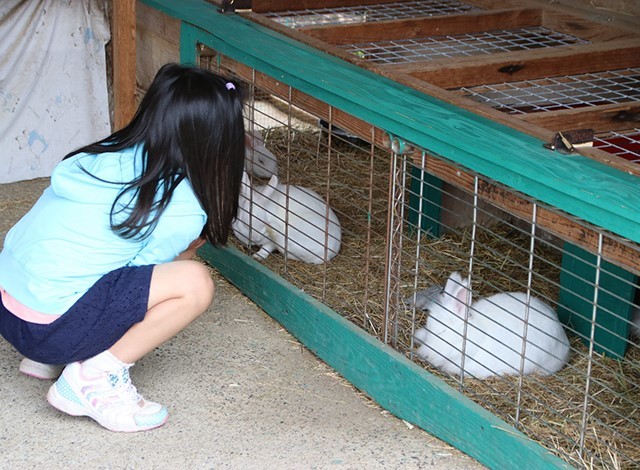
(107, 397)
(40, 370)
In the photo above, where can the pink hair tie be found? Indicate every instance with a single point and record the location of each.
(230, 86)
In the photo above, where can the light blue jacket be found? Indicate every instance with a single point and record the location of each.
(64, 244)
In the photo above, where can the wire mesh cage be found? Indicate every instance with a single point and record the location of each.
(461, 45)
(555, 93)
(541, 323)
(369, 13)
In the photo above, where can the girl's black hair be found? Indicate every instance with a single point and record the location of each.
(190, 125)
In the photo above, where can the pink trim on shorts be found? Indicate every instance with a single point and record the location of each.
(23, 312)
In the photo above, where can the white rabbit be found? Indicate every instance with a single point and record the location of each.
(259, 161)
(494, 334)
(307, 229)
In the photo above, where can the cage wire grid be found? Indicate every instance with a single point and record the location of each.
(587, 413)
(555, 93)
(368, 13)
(461, 45)
(625, 144)
(536, 281)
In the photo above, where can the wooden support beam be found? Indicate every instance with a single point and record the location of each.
(609, 117)
(567, 23)
(525, 65)
(124, 61)
(426, 27)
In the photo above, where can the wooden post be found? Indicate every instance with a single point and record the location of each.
(124, 61)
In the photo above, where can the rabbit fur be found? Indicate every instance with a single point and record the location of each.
(266, 208)
(494, 334)
(259, 161)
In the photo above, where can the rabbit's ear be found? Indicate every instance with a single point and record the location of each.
(270, 188)
(455, 293)
(257, 139)
(246, 181)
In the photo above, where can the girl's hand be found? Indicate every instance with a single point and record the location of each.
(190, 252)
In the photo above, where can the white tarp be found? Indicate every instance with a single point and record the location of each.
(53, 87)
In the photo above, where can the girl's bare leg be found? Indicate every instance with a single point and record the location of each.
(100, 387)
(180, 292)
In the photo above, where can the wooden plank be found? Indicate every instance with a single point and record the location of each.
(124, 61)
(619, 13)
(425, 27)
(609, 117)
(467, 23)
(524, 65)
(397, 384)
(567, 23)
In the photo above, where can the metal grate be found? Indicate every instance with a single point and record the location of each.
(369, 13)
(438, 47)
(625, 144)
(551, 94)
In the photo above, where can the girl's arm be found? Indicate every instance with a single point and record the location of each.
(190, 252)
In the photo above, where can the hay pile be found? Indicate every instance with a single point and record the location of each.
(551, 410)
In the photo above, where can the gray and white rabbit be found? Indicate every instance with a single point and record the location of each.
(494, 334)
(275, 211)
(259, 160)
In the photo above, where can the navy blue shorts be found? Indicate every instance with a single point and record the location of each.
(92, 325)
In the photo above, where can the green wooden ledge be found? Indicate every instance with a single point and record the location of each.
(397, 384)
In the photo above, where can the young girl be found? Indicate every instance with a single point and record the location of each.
(98, 273)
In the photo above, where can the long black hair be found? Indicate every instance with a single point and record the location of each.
(190, 125)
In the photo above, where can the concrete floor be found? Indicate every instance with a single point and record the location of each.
(242, 393)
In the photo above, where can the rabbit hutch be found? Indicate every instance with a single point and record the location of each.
(407, 141)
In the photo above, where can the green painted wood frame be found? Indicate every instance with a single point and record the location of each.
(425, 202)
(616, 292)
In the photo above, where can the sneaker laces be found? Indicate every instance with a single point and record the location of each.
(122, 391)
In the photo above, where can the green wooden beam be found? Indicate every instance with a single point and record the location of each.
(425, 202)
(616, 292)
(575, 184)
(397, 384)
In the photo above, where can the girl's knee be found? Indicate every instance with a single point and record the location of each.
(198, 282)
(203, 284)
(189, 280)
